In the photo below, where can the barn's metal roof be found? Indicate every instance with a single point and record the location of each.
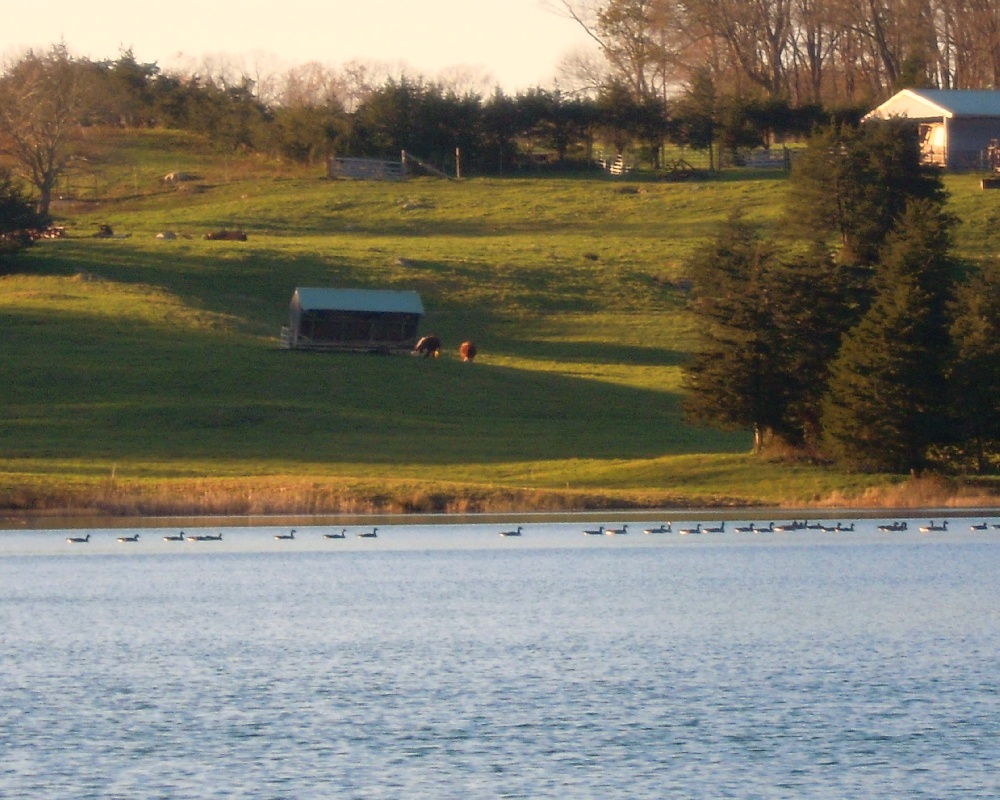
(384, 301)
(920, 104)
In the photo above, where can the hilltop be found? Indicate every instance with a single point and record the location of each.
(145, 376)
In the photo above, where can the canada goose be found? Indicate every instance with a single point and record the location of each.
(285, 535)
(616, 531)
(893, 527)
(719, 529)
(844, 528)
(78, 539)
(686, 531)
(598, 532)
(768, 529)
(512, 533)
(745, 528)
(368, 534)
(661, 529)
(341, 535)
(932, 528)
(178, 538)
(133, 538)
(979, 527)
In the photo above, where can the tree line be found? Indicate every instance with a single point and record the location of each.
(830, 52)
(858, 337)
(48, 99)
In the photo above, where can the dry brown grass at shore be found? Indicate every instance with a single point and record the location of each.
(277, 496)
(927, 491)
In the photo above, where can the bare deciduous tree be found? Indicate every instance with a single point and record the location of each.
(43, 99)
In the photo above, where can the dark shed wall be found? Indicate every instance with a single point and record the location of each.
(968, 137)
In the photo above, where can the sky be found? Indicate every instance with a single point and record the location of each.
(518, 42)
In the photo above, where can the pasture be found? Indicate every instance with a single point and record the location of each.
(144, 375)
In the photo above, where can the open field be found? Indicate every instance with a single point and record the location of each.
(144, 376)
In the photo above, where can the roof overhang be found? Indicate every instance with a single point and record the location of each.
(380, 301)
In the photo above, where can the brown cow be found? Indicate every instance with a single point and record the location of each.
(468, 351)
(226, 236)
(428, 346)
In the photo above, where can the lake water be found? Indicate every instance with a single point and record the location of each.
(443, 661)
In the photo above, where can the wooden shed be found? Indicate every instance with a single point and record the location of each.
(956, 127)
(367, 320)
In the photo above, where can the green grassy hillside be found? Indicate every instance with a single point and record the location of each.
(145, 375)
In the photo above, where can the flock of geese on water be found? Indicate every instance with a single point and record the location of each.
(217, 537)
(794, 525)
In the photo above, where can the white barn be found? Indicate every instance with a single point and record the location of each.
(957, 127)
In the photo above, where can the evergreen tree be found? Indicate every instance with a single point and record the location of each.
(856, 183)
(974, 374)
(734, 378)
(886, 401)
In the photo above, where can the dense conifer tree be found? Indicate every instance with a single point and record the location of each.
(887, 398)
(974, 374)
(735, 380)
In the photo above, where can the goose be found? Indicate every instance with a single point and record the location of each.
(369, 534)
(661, 529)
(980, 527)
(830, 528)
(844, 528)
(617, 531)
(721, 528)
(598, 532)
(996, 526)
(178, 538)
(285, 535)
(511, 533)
(768, 529)
(78, 539)
(133, 538)
(686, 531)
(814, 526)
(746, 528)
(932, 528)
(892, 527)
(341, 535)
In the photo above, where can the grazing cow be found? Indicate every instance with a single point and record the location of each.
(226, 236)
(428, 346)
(468, 351)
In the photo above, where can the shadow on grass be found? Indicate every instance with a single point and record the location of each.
(139, 392)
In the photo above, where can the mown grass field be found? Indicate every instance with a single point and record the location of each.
(142, 375)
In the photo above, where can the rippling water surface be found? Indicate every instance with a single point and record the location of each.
(447, 662)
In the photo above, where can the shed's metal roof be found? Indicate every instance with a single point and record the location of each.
(937, 103)
(378, 300)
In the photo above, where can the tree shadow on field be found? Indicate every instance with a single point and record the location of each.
(139, 392)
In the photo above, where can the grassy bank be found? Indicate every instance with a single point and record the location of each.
(144, 376)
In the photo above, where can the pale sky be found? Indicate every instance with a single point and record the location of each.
(518, 42)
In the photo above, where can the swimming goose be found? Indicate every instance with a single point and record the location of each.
(133, 538)
(686, 531)
(719, 529)
(178, 538)
(341, 535)
(285, 535)
(598, 532)
(745, 528)
(369, 534)
(892, 527)
(932, 528)
(617, 531)
(661, 529)
(78, 539)
(980, 527)
(512, 533)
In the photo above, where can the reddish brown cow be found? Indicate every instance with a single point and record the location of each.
(428, 346)
(468, 351)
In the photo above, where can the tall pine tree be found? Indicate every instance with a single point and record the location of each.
(887, 398)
